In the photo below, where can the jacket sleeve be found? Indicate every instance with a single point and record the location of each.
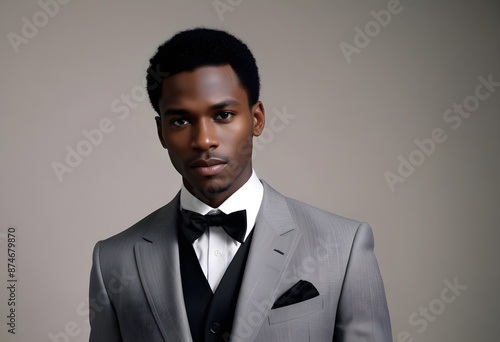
(102, 316)
(362, 313)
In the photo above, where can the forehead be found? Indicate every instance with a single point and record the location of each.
(205, 85)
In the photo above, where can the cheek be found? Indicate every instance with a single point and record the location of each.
(173, 140)
(174, 152)
(241, 145)
(176, 158)
(241, 131)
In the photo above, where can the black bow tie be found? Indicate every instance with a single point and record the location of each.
(234, 224)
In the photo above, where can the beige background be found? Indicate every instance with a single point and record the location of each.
(351, 122)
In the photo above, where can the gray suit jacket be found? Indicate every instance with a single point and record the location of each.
(136, 292)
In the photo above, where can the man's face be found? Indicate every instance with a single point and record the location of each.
(207, 127)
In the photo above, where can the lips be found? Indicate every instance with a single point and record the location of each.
(208, 167)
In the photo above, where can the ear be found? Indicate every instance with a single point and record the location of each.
(259, 118)
(160, 134)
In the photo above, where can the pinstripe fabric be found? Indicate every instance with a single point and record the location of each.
(135, 279)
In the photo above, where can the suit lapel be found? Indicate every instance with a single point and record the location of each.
(274, 242)
(158, 263)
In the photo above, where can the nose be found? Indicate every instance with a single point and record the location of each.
(205, 135)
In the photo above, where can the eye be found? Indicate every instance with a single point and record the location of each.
(224, 116)
(179, 122)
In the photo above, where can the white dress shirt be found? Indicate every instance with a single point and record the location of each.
(215, 249)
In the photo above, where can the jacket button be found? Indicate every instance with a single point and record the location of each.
(214, 328)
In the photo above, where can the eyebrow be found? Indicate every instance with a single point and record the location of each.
(185, 112)
(225, 103)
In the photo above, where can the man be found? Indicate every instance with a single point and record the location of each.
(229, 258)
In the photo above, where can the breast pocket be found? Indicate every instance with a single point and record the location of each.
(295, 311)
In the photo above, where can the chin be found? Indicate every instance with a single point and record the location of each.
(214, 188)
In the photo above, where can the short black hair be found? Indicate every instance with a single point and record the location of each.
(199, 47)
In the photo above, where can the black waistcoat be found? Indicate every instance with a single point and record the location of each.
(210, 314)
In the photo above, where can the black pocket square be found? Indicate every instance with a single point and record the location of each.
(301, 291)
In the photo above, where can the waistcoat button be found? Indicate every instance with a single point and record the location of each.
(214, 328)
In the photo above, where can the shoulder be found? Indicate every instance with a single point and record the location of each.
(308, 213)
(161, 218)
(135, 231)
(313, 220)
(323, 224)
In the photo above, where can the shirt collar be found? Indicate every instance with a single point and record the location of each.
(248, 197)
